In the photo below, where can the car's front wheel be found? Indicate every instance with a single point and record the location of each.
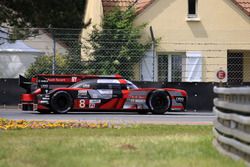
(61, 102)
(159, 102)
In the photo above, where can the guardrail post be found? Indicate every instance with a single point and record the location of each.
(232, 124)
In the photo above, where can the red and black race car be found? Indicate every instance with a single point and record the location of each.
(63, 93)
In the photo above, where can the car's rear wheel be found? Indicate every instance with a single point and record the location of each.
(159, 102)
(61, 102)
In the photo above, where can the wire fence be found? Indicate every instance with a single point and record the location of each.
(69, 51)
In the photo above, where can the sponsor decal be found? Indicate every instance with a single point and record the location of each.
(73, 79)
(95, 101)
(44, 86)
(179, 99)
(108, 81)
(43, 102)
(137, 97)
(85, 86)
(43, 81)
(82, 93)
(106, 91)
(137, 100)
(91, 105)
(140, 100)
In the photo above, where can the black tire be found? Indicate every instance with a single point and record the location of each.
(61, 102)
(159, 102)
(142, 112)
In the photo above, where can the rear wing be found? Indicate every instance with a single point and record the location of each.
(25, 83)
(50, 81)
(69, 79)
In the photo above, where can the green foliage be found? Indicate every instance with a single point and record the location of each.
(43, 65)
(74, 62)
(23, 14)
(116, 47)
(45, 13)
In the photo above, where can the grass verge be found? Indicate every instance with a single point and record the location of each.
(138, 146)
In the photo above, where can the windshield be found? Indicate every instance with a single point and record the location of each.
(130, 85)
(91, 83)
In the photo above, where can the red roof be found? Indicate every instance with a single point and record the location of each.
(139, 5)
(244, 5)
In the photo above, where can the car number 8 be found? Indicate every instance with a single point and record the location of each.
(82, 104)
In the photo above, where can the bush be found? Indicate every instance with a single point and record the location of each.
(43, 65)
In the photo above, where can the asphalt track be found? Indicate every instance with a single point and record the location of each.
(200, 118)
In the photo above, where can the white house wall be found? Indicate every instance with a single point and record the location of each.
(44, 42)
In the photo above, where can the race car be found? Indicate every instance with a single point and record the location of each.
(61, 94)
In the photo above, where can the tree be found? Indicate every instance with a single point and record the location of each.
(23, 14)
(55, 15)
(45, 13)
(116, 47)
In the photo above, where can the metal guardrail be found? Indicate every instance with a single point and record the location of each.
(232, 124)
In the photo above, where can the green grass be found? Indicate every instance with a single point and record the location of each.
(140, 146)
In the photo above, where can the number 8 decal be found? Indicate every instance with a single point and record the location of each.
(82, 103)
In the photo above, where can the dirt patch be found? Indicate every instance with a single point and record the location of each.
(128, 147)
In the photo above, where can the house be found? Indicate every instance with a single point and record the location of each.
(198, 38)
(44, 41)
(16, 56)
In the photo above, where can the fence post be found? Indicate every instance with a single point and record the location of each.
(153, 48)
(54, 53)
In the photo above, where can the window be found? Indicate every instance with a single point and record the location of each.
(114, 86)
(192, 8)
(170, 67)
(235, 67)
(91, 83)
(193, 69)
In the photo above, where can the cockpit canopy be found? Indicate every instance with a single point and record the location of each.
(104, 84)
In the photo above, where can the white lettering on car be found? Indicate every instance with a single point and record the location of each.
(73, 79)
(82, 103)
(94, 101)
(82, 93)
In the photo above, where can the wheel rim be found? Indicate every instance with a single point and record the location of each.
(62, 103)
(159, 102)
